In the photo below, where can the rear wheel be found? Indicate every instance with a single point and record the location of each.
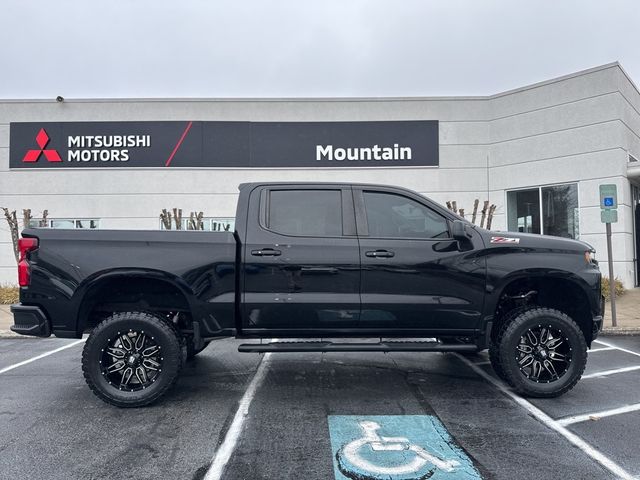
(131, 359)
(542, 352)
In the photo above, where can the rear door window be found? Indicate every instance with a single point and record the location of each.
(316, 213)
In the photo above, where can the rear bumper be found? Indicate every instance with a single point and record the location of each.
(30, 320)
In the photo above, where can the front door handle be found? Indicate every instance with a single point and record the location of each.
(266, 252)
(380, 254)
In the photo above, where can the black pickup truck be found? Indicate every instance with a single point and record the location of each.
(313, 261)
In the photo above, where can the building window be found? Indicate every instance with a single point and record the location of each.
(210, 224)
(551, 210)
(524, 211)
(68, 223)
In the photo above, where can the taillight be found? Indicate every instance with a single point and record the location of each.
(25, 245)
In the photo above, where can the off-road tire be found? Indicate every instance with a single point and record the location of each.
(510, 338)
(494, 345)
(164, 336)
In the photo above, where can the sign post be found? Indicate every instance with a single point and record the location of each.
(609, 215)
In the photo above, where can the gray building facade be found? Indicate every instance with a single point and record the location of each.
(539, 153)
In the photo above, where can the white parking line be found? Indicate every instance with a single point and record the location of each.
(606, 373)
(598, 415)
(596, 455)
(617, 348)
(223, 454)
(603, 349)
(46, 354)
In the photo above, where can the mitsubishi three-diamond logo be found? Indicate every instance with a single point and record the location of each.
(42, 139)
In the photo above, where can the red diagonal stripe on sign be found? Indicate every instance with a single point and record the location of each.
(175, 149)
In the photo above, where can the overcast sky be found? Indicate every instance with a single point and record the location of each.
(301, 48)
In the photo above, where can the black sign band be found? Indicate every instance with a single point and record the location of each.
(224, 144)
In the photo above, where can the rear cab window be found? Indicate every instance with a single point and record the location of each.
(312, 212)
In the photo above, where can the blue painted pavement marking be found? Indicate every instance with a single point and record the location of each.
(396, 447)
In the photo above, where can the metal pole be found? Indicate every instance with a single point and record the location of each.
(612, 281)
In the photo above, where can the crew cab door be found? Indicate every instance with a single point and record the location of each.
(414, 278)
(301, 261)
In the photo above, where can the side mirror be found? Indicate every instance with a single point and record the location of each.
(460, 231)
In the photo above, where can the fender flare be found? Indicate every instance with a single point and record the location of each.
(99, 278)
(494, 292)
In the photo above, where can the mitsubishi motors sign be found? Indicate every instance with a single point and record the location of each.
(191, 144)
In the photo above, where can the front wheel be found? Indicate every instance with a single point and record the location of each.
(131, 359)
(542, 353)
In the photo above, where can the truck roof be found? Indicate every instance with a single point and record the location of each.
(355, 184)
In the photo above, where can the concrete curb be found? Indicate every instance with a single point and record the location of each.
(621, 331)
(10, 334)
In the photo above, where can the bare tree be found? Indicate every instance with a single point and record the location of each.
(484, 213)
(26, 217)
(475, 211)
(195, 221)
(165, 218)
(177, 218)
(13, 228)
(487, 212)
(492, 209)
(45, 222)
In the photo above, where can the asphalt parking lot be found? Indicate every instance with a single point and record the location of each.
(246, 416)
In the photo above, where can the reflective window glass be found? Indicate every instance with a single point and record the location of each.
(306, 212)
(560, 210)
(396, 216)
(559, 207)
(523, 208)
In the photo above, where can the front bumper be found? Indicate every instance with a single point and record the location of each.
(598, 319)
(30, 320)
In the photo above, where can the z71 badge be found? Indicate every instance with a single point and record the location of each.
(505, 240)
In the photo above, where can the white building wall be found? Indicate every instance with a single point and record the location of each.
(578, 128)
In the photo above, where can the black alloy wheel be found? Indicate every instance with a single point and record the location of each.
(542, 352)
(131, 359)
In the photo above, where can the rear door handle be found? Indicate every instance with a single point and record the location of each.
(380, 254)
(266, 252)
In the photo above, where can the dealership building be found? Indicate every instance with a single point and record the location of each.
(538, 153)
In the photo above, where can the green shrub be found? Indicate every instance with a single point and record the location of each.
(8, 294)
(606, 285)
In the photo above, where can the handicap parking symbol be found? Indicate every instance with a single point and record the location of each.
(396, 447)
